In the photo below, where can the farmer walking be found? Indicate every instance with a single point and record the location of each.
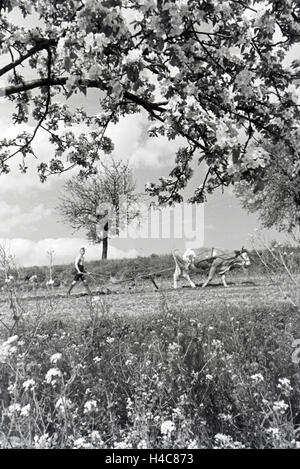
(80, 272)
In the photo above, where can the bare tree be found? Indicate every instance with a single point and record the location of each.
(102, 204)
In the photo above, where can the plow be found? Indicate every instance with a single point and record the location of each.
(142, 276)
(202, 263)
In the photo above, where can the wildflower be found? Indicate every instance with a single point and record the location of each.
(79, 443)
(29, 384)
(133, 56)
(216, 344)
(43, 441)
(110, 340)
(11, 388)
(96, 437)
(121, 445)
(55, 358)
(97, 359)
(225, 417)
(274, 432)
(223, 440)
(209, 377)
(167, 427)
(285, 386)
(226, 441)
(173, 348)
(51, 374)
(177, 412)
(192, 444)
(14, 408)
(6, 348)
(257, 378)
(280, 406)
(25, 410)
(63, 404)
(90, 406)
(129, 405)
(142, 444)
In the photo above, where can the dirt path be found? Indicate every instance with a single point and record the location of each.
(147, 301)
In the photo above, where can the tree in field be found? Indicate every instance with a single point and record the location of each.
(107, 200)
(276, 193)
(214, 72)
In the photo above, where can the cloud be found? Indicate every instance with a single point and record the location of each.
(132, 143)
(12, 216)
(29, 253)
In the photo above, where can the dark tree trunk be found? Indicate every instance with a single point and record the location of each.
(117, 220)
(105, 241)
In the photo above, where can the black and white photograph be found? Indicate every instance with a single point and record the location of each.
(149, 227)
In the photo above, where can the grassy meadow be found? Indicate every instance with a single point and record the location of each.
(140, 368)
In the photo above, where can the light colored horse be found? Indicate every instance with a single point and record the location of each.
(216, 264)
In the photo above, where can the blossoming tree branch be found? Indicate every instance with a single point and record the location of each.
(215, 73)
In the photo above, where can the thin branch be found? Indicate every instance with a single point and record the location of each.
(26, 145)
(42, 44)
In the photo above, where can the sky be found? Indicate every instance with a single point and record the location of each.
(31, 225)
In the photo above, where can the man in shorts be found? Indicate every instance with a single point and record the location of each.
(80, 273)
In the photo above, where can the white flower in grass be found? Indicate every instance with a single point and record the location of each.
(63, 404)
(209, 377)
(192, 444)
(280, 406)
(110, 340)
(133, 56)
(274, 432)
(14, 408)
(42, 442)
(142, 444)
(29, 384)
(90, 406)
(122, 445)
(7, 348)
(223, 440)
(217, 344)
(25, 410)
(167, 427)
(97, 359)
(225, 417)
(285, 386)
(96, 437)
(174, 348)
(55, 358)
(79, 443)
(52, 374)
(257, 378)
